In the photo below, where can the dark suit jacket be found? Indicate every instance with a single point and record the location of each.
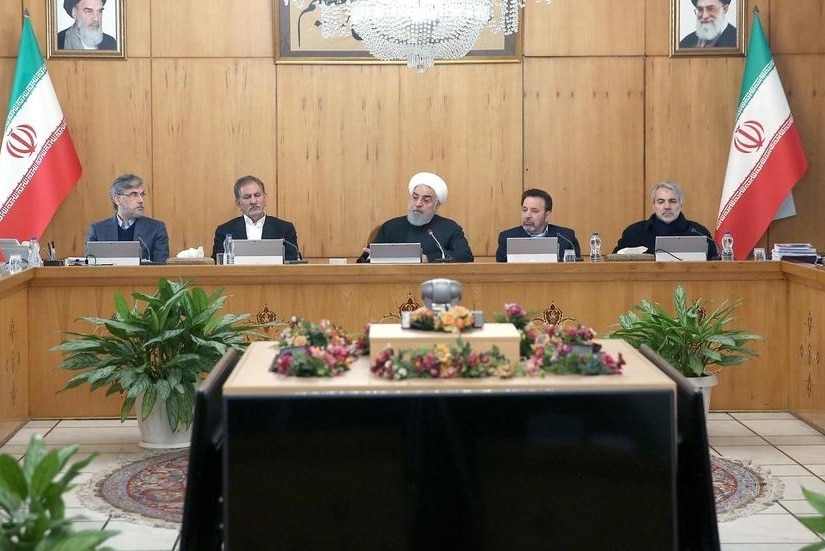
(109, 42)
(274, 228)
(148, 230)
(643, 233)
(726, 40)
(568, 237)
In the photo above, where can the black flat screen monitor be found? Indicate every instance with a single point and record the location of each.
(695, 507)
(202, 511)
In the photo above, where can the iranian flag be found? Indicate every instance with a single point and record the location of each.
(766, 157)
(38, 162)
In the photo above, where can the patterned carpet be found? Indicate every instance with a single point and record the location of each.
(151, 490)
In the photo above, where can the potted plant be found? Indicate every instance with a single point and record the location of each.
(691, 340)
(32, 511)
(155, 355)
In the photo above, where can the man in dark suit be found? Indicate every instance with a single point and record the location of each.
(712, 28)
(536, 207)
(128, 195)
(250, 196)
(87, 31)
(667, 219)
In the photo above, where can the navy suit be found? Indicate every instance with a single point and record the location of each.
(151, 232)
(566, 237)
(274, 228)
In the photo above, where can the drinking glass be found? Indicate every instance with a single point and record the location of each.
(15, 264)
(219, 258)
(759, 254)
(569, 255)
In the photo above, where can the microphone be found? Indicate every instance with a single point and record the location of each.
(148, 253)
(300, 259)
(440, 248)
(694, 230)
(572, 245)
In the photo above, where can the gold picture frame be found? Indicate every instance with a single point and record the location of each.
(684, 15)
(298, 40)
(59, 21)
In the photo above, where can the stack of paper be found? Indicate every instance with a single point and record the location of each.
(799, 252)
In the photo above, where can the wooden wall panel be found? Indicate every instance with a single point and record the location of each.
(10, 22)
(584, 128)
(796, 30)
(595, 27)
(213, 121)
(346, 154)
(690, 105)
(112, 133)
(192, 28)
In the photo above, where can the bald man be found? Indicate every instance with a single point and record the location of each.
(441, 239)
(87, 31)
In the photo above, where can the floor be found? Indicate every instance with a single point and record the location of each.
(790, 449)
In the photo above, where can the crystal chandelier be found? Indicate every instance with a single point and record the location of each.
(418, 31)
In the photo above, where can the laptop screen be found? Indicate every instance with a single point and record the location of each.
(259, 252)
(681, 247)
(118, 253)
(532, 249)
(395, 253)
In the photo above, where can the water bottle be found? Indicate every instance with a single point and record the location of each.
(34, 253)
(595, 247)
(727, 247)
(228, 250)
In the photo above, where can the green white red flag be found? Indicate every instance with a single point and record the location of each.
(38, 161)
(766, 156)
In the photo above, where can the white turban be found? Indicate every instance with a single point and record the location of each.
(434, 181)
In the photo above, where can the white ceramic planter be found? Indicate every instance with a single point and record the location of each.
(705, 384)
(155, 432)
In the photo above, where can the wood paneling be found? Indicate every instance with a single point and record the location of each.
(14, 353)
(345, 154)
(585, 123)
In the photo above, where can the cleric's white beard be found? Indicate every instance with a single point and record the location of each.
(90, 37)
(712, 29)
(419, 219)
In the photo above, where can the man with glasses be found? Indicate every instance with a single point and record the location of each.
(128, 198)
(712, 28)
(667, 219)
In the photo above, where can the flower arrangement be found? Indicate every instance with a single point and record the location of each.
(518, 316)
(443, 362)
(315, 350)
(453, 320)
(568, 350)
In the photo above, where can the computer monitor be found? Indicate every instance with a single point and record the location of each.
(202, 510)
(695, 504)
(674, 248)
(259, 252)
(395, 253)
(532, 249)
(11, 247)
(118, 253)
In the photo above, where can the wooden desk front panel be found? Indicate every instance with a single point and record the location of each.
(352, 295)
(14, 353)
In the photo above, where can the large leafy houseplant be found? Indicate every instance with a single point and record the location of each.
(32, 512)
(692, 339)
(158, 351)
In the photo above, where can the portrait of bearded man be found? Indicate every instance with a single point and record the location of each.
(86, 33)
(712, 27)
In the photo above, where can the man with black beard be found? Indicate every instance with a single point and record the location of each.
(712, 29)
(87, 31)
(441, 239)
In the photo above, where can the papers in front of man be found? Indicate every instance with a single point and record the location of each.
(795, 252)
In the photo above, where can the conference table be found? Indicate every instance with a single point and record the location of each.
(360, 462)
(782, 301)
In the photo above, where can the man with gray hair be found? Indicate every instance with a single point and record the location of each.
(712, 28)
(128, 196)
(441, 239)
(667, 219)
(87, 31)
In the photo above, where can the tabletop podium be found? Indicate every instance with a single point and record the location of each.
(357, 462)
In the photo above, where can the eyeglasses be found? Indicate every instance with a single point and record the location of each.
(134, 194)
(710, 10)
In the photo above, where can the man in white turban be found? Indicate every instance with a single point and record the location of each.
(441, 239)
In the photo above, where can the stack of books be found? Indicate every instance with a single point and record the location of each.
(794, 252)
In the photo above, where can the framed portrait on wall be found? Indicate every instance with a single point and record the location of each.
(298, 39)
(85, 28)
(707, 27)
